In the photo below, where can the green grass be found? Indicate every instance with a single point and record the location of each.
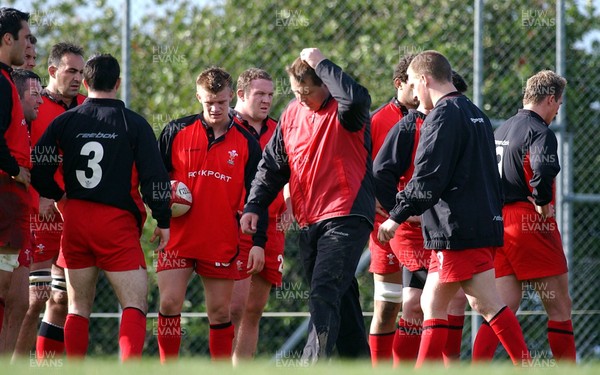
(111, 366)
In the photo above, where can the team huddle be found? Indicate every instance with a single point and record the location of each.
(452, 211)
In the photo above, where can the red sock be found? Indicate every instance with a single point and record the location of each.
(132, 333)
(433, 340)
(169, 336)
(451, 351)
(485, 343)
(1, 312)
(507, 328)
(50, 341)
(76, 336)
(406, 342)
(381, 347)
(562, 340)
(220, 340)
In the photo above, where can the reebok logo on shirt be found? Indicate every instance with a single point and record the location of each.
(97, 135)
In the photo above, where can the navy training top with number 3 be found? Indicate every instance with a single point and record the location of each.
(98, 143)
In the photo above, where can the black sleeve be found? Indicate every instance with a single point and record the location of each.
(7, 162)
(154, 180)
(434, 166)
(543, 158)
(353, 99)
(272, 174)
(165, 144)
(393, 159)
(254, 155)
(46, 160)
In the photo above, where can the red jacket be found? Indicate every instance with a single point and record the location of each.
(275, 235)
(325, 155)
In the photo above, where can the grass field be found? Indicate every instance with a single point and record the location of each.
(111, 366)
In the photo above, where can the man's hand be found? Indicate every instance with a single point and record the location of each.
(164, 234)
(387, 231)
(546, 211)
(312, 56)
(23, 177)
(256, 260)
(47, 207)
(249, 222)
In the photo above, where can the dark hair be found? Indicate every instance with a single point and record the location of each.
(60, 49)
(214, 80)
(459, 82)
(101, 72)
(301, 71)
(402, 67)
(249, 75)
(10, 21)
(20, 77)
(434, 64)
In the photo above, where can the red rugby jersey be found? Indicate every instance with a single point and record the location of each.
(14, 139)
(50, 109)
(382, 120)
(218, 172)
(275, 235)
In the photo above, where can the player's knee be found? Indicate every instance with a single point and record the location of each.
(59, 298)
(411, 309)
(254, 311)
(218, 314)
(170, 305)
(236, 313)
(387, 292)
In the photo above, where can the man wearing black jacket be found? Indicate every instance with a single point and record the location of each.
(456, 187)
(532, 254)
(99, 143)
(322, 146)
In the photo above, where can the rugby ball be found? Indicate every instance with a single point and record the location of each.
(181, 198)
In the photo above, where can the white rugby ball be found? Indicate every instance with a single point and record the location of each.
(181, 198)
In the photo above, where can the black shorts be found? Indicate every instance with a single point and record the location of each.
(414, 279)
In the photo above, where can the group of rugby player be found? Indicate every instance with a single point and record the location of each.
(459, 217)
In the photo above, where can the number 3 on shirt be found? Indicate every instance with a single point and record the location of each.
(499, 156)
(92, 164)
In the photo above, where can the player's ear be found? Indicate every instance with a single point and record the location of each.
(198, 97)
(85, 84)
(52, 71)
(118, 84)
(240, 94)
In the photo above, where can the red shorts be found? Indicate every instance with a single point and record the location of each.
(169, 260)
(408, 244)
(383, 259)
(25, 257)
(273, 269)
(15, 206)
(532, 246)
(460, 265)
(46, 232)
(99, 235)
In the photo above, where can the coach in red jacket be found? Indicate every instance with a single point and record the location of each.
(322, 146)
